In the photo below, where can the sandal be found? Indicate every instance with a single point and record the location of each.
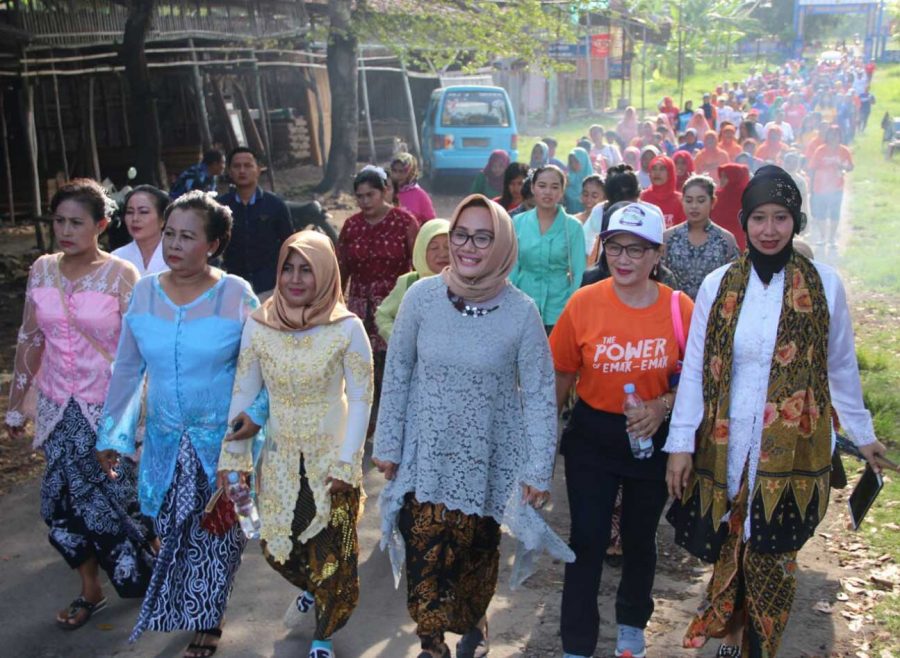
(445, 652)
(75, 607)
(206, 649)
(728, 651)
(474, 644)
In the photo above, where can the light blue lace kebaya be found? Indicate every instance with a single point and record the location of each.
(189, 355)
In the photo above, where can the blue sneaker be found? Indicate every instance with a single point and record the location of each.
(298, 609)
(574, 655)
(321, 649)
(630, 643)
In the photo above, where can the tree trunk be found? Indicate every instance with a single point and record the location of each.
(341, 62)
(144, 120)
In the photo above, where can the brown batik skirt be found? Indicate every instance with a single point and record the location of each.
(758, 586)
(326, 565)
(452, 561)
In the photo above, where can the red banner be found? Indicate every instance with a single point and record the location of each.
(599, 45)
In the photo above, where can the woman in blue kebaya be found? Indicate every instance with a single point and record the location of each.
(183, 331)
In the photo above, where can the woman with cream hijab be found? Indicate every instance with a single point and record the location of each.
(312, 355)
(466, 434)
(431, 254)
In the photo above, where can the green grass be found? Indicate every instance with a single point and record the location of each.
(871, 266)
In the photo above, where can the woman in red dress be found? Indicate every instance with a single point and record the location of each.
(374, 248)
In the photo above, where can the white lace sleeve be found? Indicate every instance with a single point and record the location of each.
(395, 386)
(248, 382)
(29, 352)
(688, 409)
(359, 387)
(843, 369)
(537, 383)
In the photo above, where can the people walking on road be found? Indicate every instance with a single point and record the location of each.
(698, 246)
(489, 180)
(467, 430)
(551, 247)
(662, 192)
(513, 179)
(261, 223)
(616, 332)
(201, 176)
(145, 209)
(648, 153)
(593, 192)
(710, 157)
(312, 355)
(733, 179)
(431, 254)
(374, 248)
(579, 168)
(182, 332)
(827, 167)
(770, 357)
(410, 195)
(684, 167)
(74, 303)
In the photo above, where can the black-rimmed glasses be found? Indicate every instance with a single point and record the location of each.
(634, 251)
(481, 239)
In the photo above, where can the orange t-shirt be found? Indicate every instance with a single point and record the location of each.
(827, 165)
(610, 344)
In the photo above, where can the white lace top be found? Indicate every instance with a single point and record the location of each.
(468, 411)
(754, 345)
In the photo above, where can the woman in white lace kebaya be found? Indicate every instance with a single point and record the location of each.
(769, 358)
(467, 430)
(73, 315)
(313, 356)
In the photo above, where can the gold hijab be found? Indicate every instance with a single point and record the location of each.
(499, 262)
(326, 307)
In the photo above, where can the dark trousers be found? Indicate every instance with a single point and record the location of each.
(592, 496)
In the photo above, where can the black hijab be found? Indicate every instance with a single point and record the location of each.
(771, 184)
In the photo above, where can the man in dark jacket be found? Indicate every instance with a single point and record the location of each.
(261, 223)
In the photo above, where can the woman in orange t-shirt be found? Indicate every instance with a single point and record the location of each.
(709, 158)
(612, 333)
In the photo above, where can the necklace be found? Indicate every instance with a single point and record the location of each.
(465, 309)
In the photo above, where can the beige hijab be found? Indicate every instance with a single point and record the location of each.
(328, 305)
(500, 259)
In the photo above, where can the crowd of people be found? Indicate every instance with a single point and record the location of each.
(660, 260)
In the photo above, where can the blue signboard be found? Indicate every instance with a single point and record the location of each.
(567, 50)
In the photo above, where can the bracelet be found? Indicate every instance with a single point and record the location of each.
(666, 404)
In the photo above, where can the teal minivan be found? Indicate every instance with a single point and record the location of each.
(462, 126)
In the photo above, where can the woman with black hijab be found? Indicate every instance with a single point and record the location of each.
(770, 355)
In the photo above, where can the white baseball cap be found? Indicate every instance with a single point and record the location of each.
(644, 220)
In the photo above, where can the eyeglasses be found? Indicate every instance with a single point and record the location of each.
(481, 240)
(635, 251)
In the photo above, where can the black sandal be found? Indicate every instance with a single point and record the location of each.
(728, 651)
(474, 644)
(76, 607)
(445, 652)
(207, 649)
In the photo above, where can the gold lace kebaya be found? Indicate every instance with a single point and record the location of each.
(319, 382)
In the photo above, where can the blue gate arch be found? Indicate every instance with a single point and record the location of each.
(875, 39)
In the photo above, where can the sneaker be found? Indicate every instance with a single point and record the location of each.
(474, 644)
(321, 649)
(298, 609)
(574, 655)
(631, 642)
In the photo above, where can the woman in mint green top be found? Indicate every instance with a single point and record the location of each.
(551, 247)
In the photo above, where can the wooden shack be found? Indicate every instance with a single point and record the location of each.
(223, 74)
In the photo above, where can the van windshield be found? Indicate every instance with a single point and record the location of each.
(475, 108)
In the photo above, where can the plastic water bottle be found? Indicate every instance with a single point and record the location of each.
(239, 494)
(641, 446)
